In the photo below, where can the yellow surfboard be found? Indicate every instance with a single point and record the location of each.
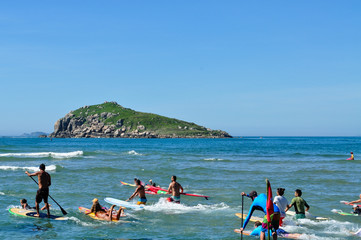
(253, 219)
(32, 212)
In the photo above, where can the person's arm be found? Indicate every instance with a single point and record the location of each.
(307, 206)
(49, 180)
(32, 174)
(356, 201)
(133, 195)
(181, 188)
(248, 217)
(289, 206)
(169, 191)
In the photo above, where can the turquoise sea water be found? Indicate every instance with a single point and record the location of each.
(83, 169)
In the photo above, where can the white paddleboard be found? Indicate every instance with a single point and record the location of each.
(308, 215)
(122, 203)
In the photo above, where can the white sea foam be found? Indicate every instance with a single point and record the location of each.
(34, 169)
(213, 159)
(163, 206)
(1, 193)
(132, 152)
(311, 229)
(44, 154)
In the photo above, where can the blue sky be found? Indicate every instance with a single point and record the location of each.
(284, 68)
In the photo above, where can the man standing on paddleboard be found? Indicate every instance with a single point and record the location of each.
(44, 180)
(175, 189)
(140, 191)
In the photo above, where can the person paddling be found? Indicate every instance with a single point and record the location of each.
(356, 201)
(175, 189)
(44, 180)
(140, 192)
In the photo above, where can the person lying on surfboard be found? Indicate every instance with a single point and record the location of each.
(356, 209)
(356, 201)
(153, 184)
(280, 231)
(140, 192)
(175, 189)
(101, 212)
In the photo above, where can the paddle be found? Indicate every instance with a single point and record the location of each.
(242, 218)
(62, 210)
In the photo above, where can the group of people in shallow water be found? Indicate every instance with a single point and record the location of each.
(280, 206)
(42, 194)
(259, 202)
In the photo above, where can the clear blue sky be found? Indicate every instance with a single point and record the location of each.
(248, 67)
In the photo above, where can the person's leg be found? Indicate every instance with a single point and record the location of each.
(37, 209)
(262, 236)
(46, 195)
(274, 235)
(111, 213)
(120, 211)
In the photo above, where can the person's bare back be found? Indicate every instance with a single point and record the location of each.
(175, 188)
(44, 179)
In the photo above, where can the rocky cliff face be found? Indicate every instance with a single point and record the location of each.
(110, 120)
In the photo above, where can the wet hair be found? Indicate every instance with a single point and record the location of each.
(42, 166)
(257, 223)
(299, 192)
(174, 177)
(281, 191)
(23, 200)
(137, 181)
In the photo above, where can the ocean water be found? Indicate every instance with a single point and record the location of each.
(83, 169)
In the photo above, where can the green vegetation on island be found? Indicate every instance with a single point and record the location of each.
(112, 120)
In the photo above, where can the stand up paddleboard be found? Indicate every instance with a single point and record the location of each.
(308, 216)
(30, 213)
(125, 204)
(253, 219)
(287, 235)
(93, 216)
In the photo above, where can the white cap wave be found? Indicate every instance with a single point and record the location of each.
(44, 154)
(34, 169)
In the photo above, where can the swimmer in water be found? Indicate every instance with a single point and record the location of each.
(352, 157)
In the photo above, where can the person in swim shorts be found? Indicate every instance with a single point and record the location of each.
(299, 203)
(140, 192)
(44, 181)
(175, 189)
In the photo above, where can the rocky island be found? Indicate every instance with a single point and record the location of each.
(111, 120)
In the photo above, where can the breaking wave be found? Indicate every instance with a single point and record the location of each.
(132, 152)
(34, 169)
(44, 154)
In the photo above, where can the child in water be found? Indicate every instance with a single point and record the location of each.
(24, 205)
